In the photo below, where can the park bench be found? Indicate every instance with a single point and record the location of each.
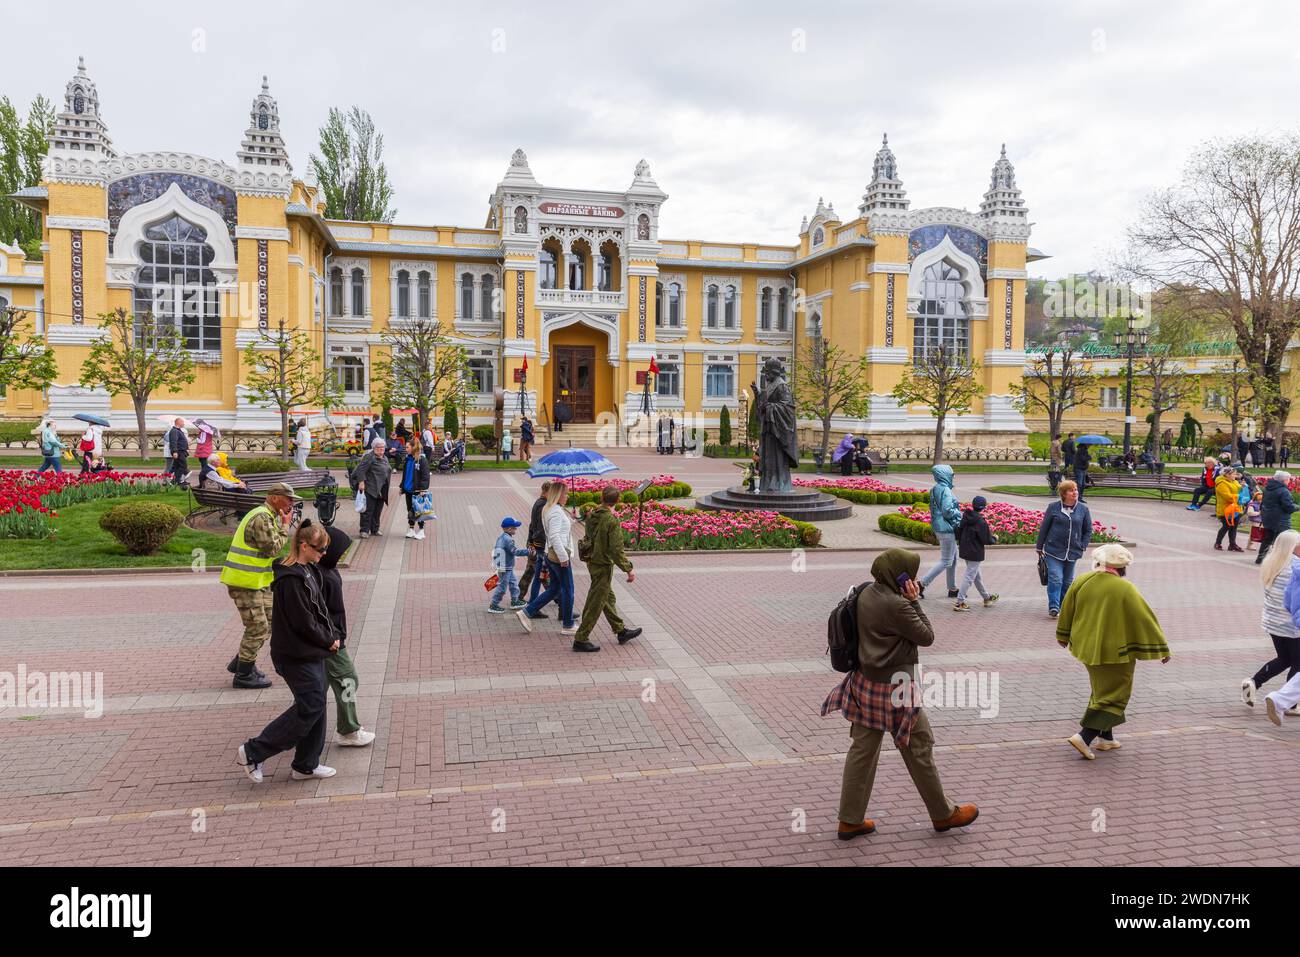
(879, 463)
(1165, 483)
(224, 503)
(296, 478)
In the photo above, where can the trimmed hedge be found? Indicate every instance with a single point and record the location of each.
(18, 432)
(863, 497)
(810, 536)
(485, 436)
(896, 524)
(259, 466)
(676, 490)
(141, 527)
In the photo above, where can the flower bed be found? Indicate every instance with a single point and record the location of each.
(583, 491)
(29, 499)
(866, 491)
(1010, 524)
(673, 528)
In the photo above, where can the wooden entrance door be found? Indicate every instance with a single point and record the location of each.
(575, 381)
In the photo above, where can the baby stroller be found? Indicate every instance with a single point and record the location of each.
(453, 461)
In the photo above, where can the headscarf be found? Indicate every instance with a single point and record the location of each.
(893, 562)
(1113, 555)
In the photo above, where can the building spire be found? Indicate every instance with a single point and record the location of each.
(79, 130)
(263, 147)
(885, 191)
(1003, 200)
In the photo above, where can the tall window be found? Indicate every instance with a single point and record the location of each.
(336, 291)
(668, 382)
(425, 287)
(349, 373)
(818, 236)
(711, 308)
(175, 285)
(674, 304)
(577, 271)
(606, 280)
(1110, 398)
(783, 310)
(941, 320)
(358, 292)
(485, 298)
(729, 307)
(479, 375)
(403, 293)
(548, 269)
(661, 305)
(765, 309)
(719, 381)
(467, 295)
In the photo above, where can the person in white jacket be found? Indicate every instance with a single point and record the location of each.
(561, 551)
(303, 438)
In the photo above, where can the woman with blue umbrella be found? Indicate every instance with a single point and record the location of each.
(1082, 459)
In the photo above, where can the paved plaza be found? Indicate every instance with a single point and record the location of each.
(698, 743)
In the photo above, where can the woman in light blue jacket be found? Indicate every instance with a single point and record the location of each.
(945, 516)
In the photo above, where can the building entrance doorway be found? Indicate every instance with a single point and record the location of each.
(575, 381)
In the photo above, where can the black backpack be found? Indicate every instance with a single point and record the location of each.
(842, 632)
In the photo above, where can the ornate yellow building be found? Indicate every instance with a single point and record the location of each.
(578, 282)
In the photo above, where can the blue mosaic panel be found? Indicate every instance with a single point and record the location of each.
(146, 187)
(967, 240)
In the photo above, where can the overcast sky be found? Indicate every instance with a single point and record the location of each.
(747, 112)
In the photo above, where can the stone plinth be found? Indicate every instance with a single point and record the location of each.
(801, 504)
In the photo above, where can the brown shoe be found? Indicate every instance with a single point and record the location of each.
(965, 814)
(849, 831)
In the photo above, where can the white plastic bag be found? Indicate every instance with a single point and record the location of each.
(361, 501)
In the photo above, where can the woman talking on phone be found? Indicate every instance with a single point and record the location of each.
(882, 695)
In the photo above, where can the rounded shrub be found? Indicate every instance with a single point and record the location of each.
(485, 436)
(141, 527)
(628, 497)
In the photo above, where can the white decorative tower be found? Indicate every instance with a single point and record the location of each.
(79, 130)
(1002, 201)
(263, 146)
(885, 192)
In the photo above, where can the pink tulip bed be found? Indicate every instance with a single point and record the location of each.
(670, 528)
(587, 490)
(1010, 524)
(865, 490)
(29, 499)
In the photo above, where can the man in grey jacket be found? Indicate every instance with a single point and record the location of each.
(373, 474)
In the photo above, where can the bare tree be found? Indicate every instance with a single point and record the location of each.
(1234, 384)
(1055, 381)
(944, 382)
(830, 382)
(1163, 385)
(1231, 230)
(285, 371)
(424, 368)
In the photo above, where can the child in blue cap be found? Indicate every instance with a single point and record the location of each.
(504, 553)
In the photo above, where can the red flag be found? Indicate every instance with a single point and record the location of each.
(654, 368)
(525, 366)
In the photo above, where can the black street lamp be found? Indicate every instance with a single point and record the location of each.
(1130, 343)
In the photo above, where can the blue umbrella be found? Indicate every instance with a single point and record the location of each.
(1093, 440)
(568, 463)
(92, 419)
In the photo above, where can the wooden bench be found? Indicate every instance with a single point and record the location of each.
(227, 503)
(878, 462)
(1167, 484)
(295, 478)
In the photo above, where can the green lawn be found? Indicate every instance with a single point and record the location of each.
(79, 542)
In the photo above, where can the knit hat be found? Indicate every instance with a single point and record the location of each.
(1113, 555)
(979, 503)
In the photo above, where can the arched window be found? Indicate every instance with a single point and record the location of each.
(487, 309)
(467, 295)
(711, 308)
(941, 318)
(818, 236)
(674, 304)
(606, 279)
(358, 292)
(403, 293)
(349, 373)
(176, 287)
(577, 270)
(425, 287)
(643, 226)
(78, 101)
(336, 291)
(263, 121)
(521, 219)
(548, 269)
(765, 309)
(729, 307)
(783, 310)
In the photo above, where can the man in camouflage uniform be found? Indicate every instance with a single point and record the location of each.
(605, 539)
(247, 576)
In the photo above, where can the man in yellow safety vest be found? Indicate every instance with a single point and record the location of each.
(247, 576)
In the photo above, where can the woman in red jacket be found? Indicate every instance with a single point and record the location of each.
(1205, 491)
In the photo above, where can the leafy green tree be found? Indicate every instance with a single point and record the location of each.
(423, 367)
(23, 144)
(351, 169)
(724, 427)
(283, 371)
(945, 383)
(25, 362)
(137, 356)
(450, 418)
(828, 381)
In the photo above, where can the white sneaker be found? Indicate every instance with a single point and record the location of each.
(524, 620)
(1274, 714)
(1076, 741)
(419, 536)
(410, 533)
(1104, 745)
(254, 771)
(1248, 691)
(320, 772)
(357, 739)
(569, 631)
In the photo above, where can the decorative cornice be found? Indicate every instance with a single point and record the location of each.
(413, 235)
(74, 335)
(61, 167)
(1004, 357)
(262, 232)
(476, 239)
(77, 222)
(946, 216)
(860, 286)
(889, 267)
(887, 355)
(1008, 274)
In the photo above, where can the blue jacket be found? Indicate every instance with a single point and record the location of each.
(1292, 598)
(504, 552)
(945, 515)
(1277, 506)
(1065, 537)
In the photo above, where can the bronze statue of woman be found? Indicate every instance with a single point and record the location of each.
(778, 447)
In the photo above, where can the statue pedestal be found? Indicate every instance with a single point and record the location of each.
(801, 504)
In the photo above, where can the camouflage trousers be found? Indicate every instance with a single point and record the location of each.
(342, 676)
(600, 600)
(254, 606)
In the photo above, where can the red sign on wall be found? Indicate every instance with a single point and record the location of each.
(519, 375)
(641, 377)
(581, 209)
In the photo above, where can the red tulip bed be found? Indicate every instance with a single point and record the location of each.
(866, 491)
(583, 490)
(670, 528)
(1010, 524)
(29, 499)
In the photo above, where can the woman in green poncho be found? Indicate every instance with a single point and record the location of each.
(1108, 626)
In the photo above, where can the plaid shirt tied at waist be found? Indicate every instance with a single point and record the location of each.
(879, 705)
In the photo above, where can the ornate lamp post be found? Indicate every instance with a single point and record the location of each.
(1131, 343)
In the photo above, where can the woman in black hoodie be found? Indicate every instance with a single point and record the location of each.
(302, 638)
(340, 670)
